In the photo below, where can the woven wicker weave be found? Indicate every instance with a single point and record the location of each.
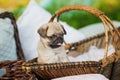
(104, 66)
(14, 67)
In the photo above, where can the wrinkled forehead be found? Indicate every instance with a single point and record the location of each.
(54, 28)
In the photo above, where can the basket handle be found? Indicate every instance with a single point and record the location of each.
(76, 7)
(108, 25)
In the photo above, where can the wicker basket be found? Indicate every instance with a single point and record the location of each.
(14, 67)
(104, 66)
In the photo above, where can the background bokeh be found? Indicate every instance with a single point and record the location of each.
(77, 19)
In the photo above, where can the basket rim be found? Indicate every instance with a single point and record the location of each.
(32, 65)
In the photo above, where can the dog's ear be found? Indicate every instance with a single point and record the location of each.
(64, 29)
(43, 31)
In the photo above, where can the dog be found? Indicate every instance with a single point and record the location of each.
(50, 46)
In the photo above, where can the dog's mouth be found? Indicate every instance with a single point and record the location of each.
(57, 42)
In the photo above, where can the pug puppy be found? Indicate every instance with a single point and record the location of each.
(50, 46)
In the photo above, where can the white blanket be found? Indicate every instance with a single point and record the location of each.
(94, 54)
(83, 77)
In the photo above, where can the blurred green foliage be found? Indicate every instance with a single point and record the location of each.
(79, 19)
(15, 6)
(18, 12)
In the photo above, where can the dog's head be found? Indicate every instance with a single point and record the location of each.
(52, 34)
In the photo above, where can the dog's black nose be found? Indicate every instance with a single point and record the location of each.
(60, 40)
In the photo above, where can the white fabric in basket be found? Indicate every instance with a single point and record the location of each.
(7, 42)
(94, 54)
(83, 77)
(28, 23)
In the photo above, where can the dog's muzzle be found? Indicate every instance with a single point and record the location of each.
(57, 42)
